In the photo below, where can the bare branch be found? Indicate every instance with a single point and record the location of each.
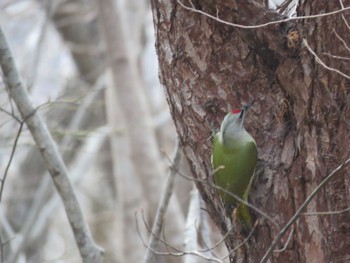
(177, 249)
(327, 213)
(163, 241)
(7, 229)
(10, 114)
(163, 205)
(2, 245)
(89, 251)
(345, 21)
(3, 179)
(5, 224)
(341, 39)
(319, 61)
(287, 242)
(205, 231)
(191, 234)
(197, 252)
(243, 242)
(37, 219)
(337, 57)
(179, 254)
(301, 208)
(39, 215)
(192, 9)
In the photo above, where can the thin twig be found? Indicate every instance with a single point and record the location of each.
(301, 208)
(264, 24)
(5, 224)
(163, 205)
(1, 250)
(243, 242)
(341, 40)
(10, 114)
(319, 61)
(10, 160)
(205, 232)
(337, 57)
(163, 241)
(179, 254)
(197, 252)
(327, 213)
(177, 249)
(9, 97)
(191, 233)
(287, 242)
(345, 21)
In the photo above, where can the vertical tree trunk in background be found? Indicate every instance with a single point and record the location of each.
(299, 119)
(144, 153)
(76, 21)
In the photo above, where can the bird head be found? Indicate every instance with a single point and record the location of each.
(232, 124)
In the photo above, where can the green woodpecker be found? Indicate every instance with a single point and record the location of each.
(234, 159)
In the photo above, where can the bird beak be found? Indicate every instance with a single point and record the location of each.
(245, 109)
(248, 105)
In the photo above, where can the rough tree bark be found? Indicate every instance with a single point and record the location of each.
(299, 119)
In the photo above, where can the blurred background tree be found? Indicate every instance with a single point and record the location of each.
(109, 118)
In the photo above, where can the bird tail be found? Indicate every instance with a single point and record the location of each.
(242, 211)
(242, 216)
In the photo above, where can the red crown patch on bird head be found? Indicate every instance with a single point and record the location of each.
(236, 111)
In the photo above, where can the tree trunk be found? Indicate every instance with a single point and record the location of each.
(299, 119)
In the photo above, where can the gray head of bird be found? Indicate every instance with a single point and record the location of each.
(232, 125)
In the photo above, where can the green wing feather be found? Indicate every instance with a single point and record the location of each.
(239, 161)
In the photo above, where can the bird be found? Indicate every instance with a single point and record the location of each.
(234, 158)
